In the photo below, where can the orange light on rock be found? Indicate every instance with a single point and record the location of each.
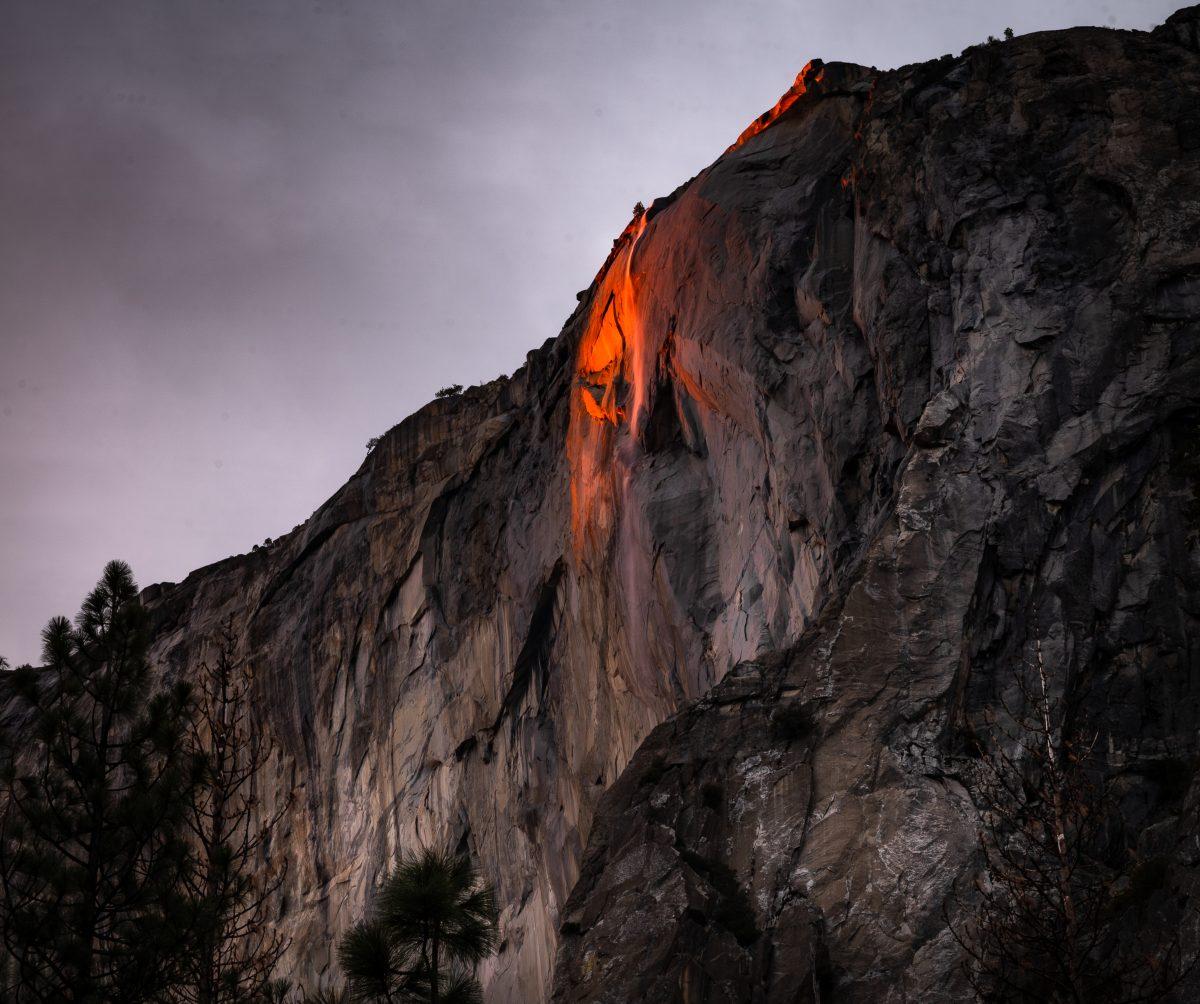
(611, 386)
(811, 74)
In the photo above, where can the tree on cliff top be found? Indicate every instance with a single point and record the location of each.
(93, 789)
(434, 921)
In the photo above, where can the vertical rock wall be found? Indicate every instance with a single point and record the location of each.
(914, 358)
(1023, 277)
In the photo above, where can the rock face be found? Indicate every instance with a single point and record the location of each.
(905, 382)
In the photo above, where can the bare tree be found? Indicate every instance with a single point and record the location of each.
(234, 885)
(1051, 920)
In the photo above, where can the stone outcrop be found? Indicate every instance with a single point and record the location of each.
(904, 382)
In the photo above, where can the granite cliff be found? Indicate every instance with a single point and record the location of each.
(905, 382)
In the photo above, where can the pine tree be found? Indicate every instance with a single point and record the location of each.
(95, 783)
(234, 881)
(434, 921)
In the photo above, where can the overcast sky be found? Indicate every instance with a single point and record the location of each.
(240, 237)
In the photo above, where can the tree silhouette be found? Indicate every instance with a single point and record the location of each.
(234, 879)
(434, 921)
(1049, 918)
(95, 781)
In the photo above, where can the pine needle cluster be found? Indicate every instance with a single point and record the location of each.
(433, 922)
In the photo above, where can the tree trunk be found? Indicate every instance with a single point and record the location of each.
(434, 977)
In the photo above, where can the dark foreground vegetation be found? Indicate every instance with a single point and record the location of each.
(1058, 913)
(136, 856)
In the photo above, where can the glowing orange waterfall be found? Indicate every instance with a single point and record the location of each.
(613, 375)
(611, 387)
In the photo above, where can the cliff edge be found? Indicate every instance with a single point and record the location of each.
(903, 384)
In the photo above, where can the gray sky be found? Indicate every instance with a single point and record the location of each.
(240, 237)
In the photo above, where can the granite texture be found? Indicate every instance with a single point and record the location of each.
(907, 379)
